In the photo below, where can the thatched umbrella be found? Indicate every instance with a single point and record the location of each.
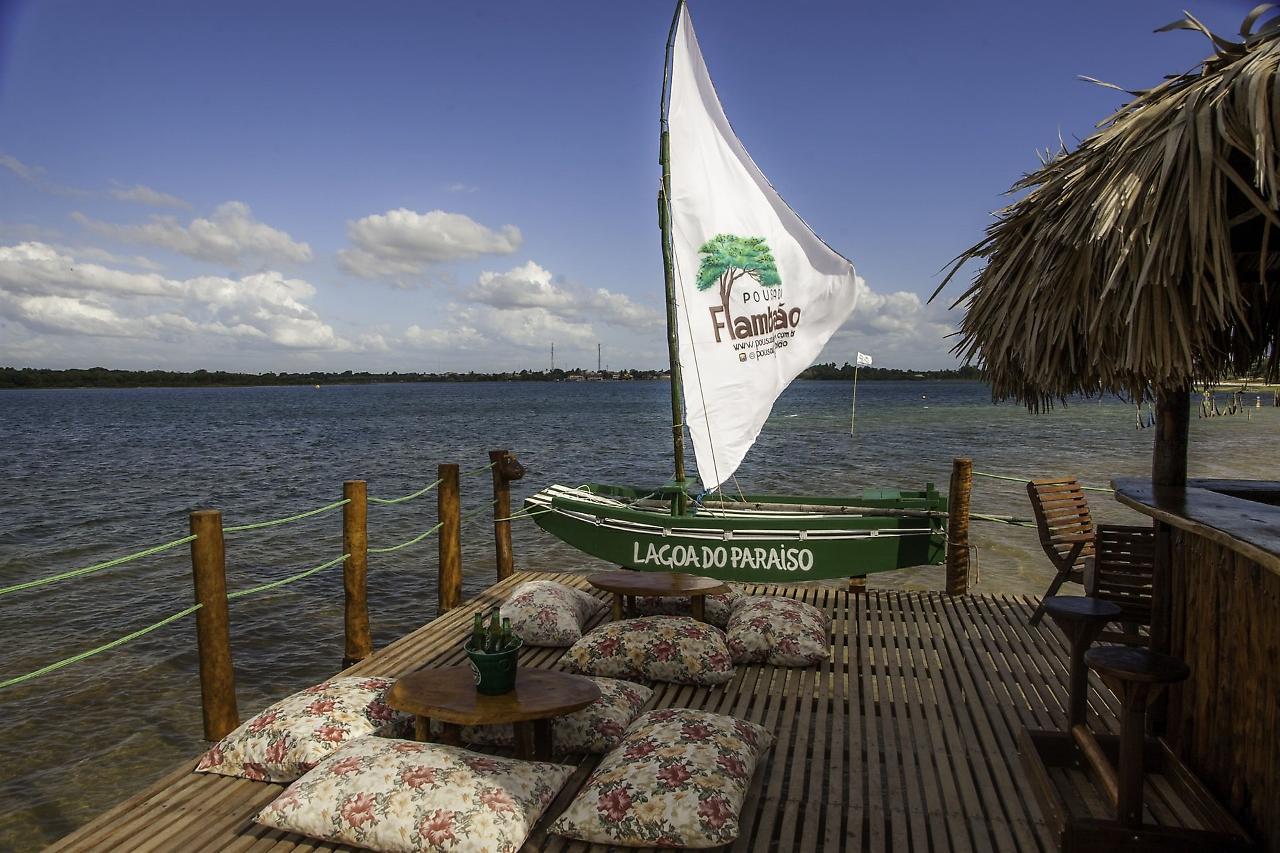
(1144, 260)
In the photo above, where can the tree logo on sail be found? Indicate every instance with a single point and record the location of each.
(726, 258)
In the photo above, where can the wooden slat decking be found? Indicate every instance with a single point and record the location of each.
(905, 741)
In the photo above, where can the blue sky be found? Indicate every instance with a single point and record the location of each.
(453, 186)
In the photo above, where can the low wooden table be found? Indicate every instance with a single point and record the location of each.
(449, 695)
(660, 585)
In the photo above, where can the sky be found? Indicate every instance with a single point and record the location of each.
(429, 186)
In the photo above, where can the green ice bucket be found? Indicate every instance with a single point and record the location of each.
(495, 672)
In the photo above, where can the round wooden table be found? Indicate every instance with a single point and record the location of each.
(658, 584)
(449, 695)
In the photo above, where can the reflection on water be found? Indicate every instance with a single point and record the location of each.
(91, 474)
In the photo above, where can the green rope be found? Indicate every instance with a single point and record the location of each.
(525, 513)
(147, 630)
(241, 593)
(273, 522)
(426, 533)
(412, 541)
(1004, 519)
(10, 682)
(417, 494)
(97, 567)
(1028, 479)
(478, 470)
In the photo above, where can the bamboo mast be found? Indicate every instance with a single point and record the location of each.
(668, 269)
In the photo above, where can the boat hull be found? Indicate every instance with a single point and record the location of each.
(830, 539)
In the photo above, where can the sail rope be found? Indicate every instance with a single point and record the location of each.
(688, 322)
(1028, 479)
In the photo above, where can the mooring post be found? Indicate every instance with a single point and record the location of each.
(355, 572)
(958, 525)
(213, 625)
(505, 469)
(449, 582)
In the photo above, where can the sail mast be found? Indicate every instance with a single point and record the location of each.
(668, 269)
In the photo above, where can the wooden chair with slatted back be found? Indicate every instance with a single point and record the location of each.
(1066, 531)
(1123, 568)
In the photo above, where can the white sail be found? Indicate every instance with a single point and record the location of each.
(757, 293)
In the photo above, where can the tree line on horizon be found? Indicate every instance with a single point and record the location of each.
(102, 377)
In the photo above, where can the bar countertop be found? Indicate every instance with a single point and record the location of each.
(1243, 515)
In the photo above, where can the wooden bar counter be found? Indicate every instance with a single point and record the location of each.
(1219, 610)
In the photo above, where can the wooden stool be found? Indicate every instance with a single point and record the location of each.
(1082, 620)
(1137, 676)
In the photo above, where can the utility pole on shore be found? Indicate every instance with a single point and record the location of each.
(553, 356)
(597, 358)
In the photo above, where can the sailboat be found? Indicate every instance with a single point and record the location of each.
(752, 295)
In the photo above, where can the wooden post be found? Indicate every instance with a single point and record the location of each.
(505, 469)
(1173, 423)
(449, 582)
(958, 525)
(213, 625)
(1168, 470)
(355, 572)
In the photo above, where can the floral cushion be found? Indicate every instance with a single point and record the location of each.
(779, 631)
(718, 607)
(596, 728)
(398, 795)
(678, 779)
(546, 613)
(293, 735)
(658, 648)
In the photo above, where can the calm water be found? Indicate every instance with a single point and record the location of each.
(91, 474)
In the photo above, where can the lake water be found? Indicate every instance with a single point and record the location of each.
(91, 474)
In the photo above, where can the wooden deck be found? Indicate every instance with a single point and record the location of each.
(906, 741)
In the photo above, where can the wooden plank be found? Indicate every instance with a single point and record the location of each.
(902, 740)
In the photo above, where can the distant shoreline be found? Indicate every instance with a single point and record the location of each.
(100, 377)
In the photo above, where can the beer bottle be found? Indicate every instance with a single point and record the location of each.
(477, 634)
(507, 640)
(495, 633)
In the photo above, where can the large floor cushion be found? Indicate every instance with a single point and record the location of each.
(597, 728)
(678, 779)
(779, 631)
(399, 795)
(718, 608)
(679, 649)
(546, 613)
(293, 735)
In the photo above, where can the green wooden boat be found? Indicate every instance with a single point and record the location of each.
(752, 296)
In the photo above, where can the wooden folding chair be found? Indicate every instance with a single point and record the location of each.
(1066, 531)
(1123, 568)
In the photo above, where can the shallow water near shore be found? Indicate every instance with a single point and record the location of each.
(92, 474)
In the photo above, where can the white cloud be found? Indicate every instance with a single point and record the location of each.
(531, 286)
(141, 194)
(507, 315)
(402, 243)
(22, 170)
(897, 328)
(230, 236)
(35, 175)
(459, 187)
(49, 292)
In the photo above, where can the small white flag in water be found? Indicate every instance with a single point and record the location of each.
(864, 360)
(757, 293)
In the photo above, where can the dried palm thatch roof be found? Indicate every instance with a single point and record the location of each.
(1147, 258)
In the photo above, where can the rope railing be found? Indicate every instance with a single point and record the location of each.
(1028, 479)
(403, 498)
(257, 525)
(120, 641)
(96, 567)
